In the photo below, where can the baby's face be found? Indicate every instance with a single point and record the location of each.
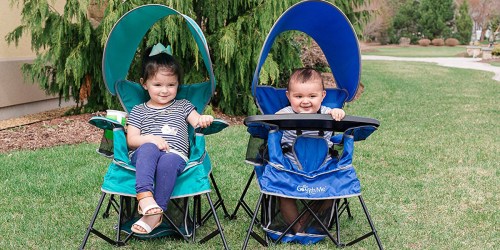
(306, 97)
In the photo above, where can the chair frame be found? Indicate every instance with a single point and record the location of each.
(126, 211)
(357, 128)
(133, 25)
(338, 211)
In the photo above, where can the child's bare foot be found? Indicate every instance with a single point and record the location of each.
(147, 224)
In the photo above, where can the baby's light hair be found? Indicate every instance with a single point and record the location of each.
(303, 75)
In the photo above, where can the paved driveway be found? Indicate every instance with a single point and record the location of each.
(456, 62)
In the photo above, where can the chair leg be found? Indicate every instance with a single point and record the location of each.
(120, 214)
(343, 207)
(191, 217)
(337, 222)
(92, 221)
(216, 218)
(108, 207)
(346, 203)
(241, 201)
(252, 222)
(373, 232)
(196, 216)
(185, 211)
(220, 201)
(219, 229)
(289, 228)
(91, 229)
(318, 220)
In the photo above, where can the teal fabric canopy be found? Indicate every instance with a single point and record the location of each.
(127, 34)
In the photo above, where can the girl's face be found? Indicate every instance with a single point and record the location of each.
(306, 97)
(162, 88)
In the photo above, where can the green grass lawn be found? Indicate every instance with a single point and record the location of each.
(418, 51)
(497, 64)
(429, 175)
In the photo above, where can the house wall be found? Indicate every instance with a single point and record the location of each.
(17, 96)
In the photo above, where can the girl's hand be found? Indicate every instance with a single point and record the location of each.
(205, 120)
(337, 114)
(159, 142)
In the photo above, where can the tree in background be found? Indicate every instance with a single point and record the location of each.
(436, 18)
(482, 12)
(464, 24)
(69, 49)
(376, 25)
(404, 23)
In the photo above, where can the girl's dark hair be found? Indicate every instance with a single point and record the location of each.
(151, 65)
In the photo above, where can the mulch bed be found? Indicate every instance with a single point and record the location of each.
(47, 133)
(51, 128)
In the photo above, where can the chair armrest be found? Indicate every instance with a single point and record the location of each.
(337, 139)
(105, 123)
(216, 126)
(361, 133)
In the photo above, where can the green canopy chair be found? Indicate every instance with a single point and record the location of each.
(183, 216)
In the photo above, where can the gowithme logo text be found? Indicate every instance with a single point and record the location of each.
(311, 190)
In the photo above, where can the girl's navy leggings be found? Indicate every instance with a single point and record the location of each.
(156, 171)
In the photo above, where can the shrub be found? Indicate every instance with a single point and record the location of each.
(496, 50)
(437, 42)
(451, 42)
(424, 42)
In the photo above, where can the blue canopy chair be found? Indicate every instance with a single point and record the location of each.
(316, 183)
(119, 180)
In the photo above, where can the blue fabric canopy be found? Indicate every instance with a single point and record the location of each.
(333, 32)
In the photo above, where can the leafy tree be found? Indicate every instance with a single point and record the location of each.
(482, 12)
(69, 49)
(464, 24)
(436, 18)
(404, 24)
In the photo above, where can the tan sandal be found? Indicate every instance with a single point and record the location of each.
(144, 211)
(145, 226)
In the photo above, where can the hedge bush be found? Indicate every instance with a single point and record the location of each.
(437, 42)
(424, 42)
(451, 42)
(496, 50)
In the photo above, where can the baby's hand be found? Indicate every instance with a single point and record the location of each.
(337, 114)
(205, 120)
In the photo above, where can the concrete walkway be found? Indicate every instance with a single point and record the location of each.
(456, 62)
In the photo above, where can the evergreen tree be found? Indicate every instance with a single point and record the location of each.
(69, 49)
(404, 24)
(436, 18)
(464, 24)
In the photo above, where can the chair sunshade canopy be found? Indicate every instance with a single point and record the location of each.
(129, 31)
(332, 31)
